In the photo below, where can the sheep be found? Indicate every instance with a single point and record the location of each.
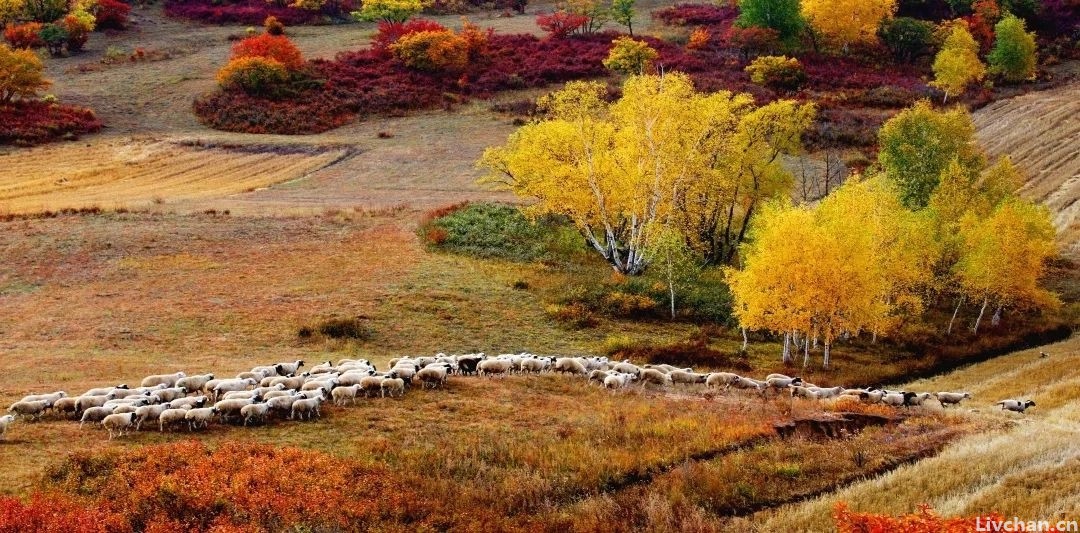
(951, 398)
(687, 378)
(276, 393)
(372, 384)
(406, 371)
(83, 403)
(66, 405)
(170, 417)
(804, 392)
(194, 383)
(490, 367)
(592, 363)
(228, 408)
(190, 402)
(618, 380)
(897, 399)
(627, 368)
(748, 383)
(288, 369)
(95, 414)
(102, 391)
(823, 393)
(118, 423)
(306, 408)
(5, 421)
(136, 402)
(598, 376)
(392, 385)
(533, 365)
(654, 376)
(570, 365)
(1016, 406)
(168, 395)
(873, 396)
(255, 411)
(129, 393)
(294, 382)
(282, 404)
(343, 394)
(353, 377)
(169, 380)
(467, 363)
(230, 385)
(324, 385)
(322, 368)
(33, 409)
(781, 376)
(717, 379)
(317, 393)
(918, 398)
(200, 418)
(50, 398)
(126, 408)
(779, 383)
(148, 413)
(425, 361)
(434, 375)
(850, 397)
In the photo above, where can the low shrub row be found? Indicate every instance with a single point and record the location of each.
(30, 122)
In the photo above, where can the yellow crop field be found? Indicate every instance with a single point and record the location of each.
(117, 174)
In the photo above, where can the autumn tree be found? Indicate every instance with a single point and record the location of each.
(673, 261)
(623, 12)
(21, 74)
(662, 154)
(783, 16)
(389, 11)
(918, 143)
(847, 22)
(1013, 55)
(957, 64)
(629, 56)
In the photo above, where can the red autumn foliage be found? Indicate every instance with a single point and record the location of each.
(924, 521)
(237, 487)
(24, 35)
(561, 24)
(753, 40)
(254, 12)
(277, 47)
(697, 14)
(985, 13)
(112, 14)
(34, 122)
(390, 32)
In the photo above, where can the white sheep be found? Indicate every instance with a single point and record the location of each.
(371, 384)
(896, 399)
(230, 408)
(570, 365)
(919, 398)
(823, 393)
(951, 398)
(102, 391)
(748, 384)
(598, 376)
(1016, 406)
(322, 368)
(654, 376)
(491, 367)
(276, 393)
(716, 380)
(66, 406)
(392, 385)
(169, 380)
(532, 365)
(189, 402)
(171, 417)
(200, 418)
(95, 414)
(255, 412)
(618, 380)
(627, 367)
(117, 424)
(148, 413)
(804, 392)
(32, 409)
(345, 394)
(194, 383)
(306, 408)
(687, 378)
(51, 399)
(294, 382)
(5, 421)
(231, 385)
(433, 374)
(168, 395)
(282, 404)
(778, 383)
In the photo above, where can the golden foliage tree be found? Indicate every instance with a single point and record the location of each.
(847, 22)
(663, 154)
(957, 64)
(21, 74)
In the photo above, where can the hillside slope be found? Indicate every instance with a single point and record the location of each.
(1041, 132)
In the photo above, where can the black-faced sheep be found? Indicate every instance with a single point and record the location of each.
(117, 424)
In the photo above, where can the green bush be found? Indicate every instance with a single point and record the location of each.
(907, 38)
(500, 231)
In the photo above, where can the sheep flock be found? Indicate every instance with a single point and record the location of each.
(285, 391)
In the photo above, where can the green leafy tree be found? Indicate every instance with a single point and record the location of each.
(673, 261)
(784, 16)
(622, 12)
(1013, 55)
(907, 38)
(957, 65)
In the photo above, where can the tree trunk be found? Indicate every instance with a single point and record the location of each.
(959, 302)
(825, 361)
(787, 348)
(975, 328)
(806, 353)
(745, 340)
(671, 292)
(996, 319)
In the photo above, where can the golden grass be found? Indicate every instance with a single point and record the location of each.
(1015, 468)
(113, 175)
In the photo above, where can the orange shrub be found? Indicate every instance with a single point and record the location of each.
(257, 76)
(276, 47)
(476, 39)
(24, 35)
(699, 38)
(432, 51)
(924, 521)
(273, 26)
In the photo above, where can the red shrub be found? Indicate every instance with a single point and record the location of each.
(924, 521)
(752, 40)
(112, 15)
(33, 122)
(696, 14)
(277, 47)
(252, 12)
(561, 24)
(390, 32)
(57, 513)
(24, 35)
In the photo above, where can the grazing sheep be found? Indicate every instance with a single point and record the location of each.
(288, 369)
(748, 384)
(95, 414)
(117, 424)
(230, 408)
(66, 406)
(317, 393)
(570, 365)
(918, 399)
(406, 370)
(804, 392)
(533, 365)
(490, 367)
(33, 409)
(1016, 406)
(5, 421)
(720, 379)
(168, 395)
(434, 375)
(951, 398)
(372, 384)
(322, 368)
(130, 393)
(626, 367)
(687, 378)
(190, 402)
(467, 363)
(200, 418)
(354, 377)
(598, 376)
(282, 404)
(169, 380)
(194, 383)
(618, 380)
(232, 385)
(294, 382)
(148, 413)
(125, 408)
(51, 399)
(343, 394)
(654, 376)
(823, 393)
(255, 412)
(779, 383)
(306, 408)
(83, 403)
(171, 417)
(873, 396)
(323, 385)
(137, 402)
(392, 385)
(102, 391)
